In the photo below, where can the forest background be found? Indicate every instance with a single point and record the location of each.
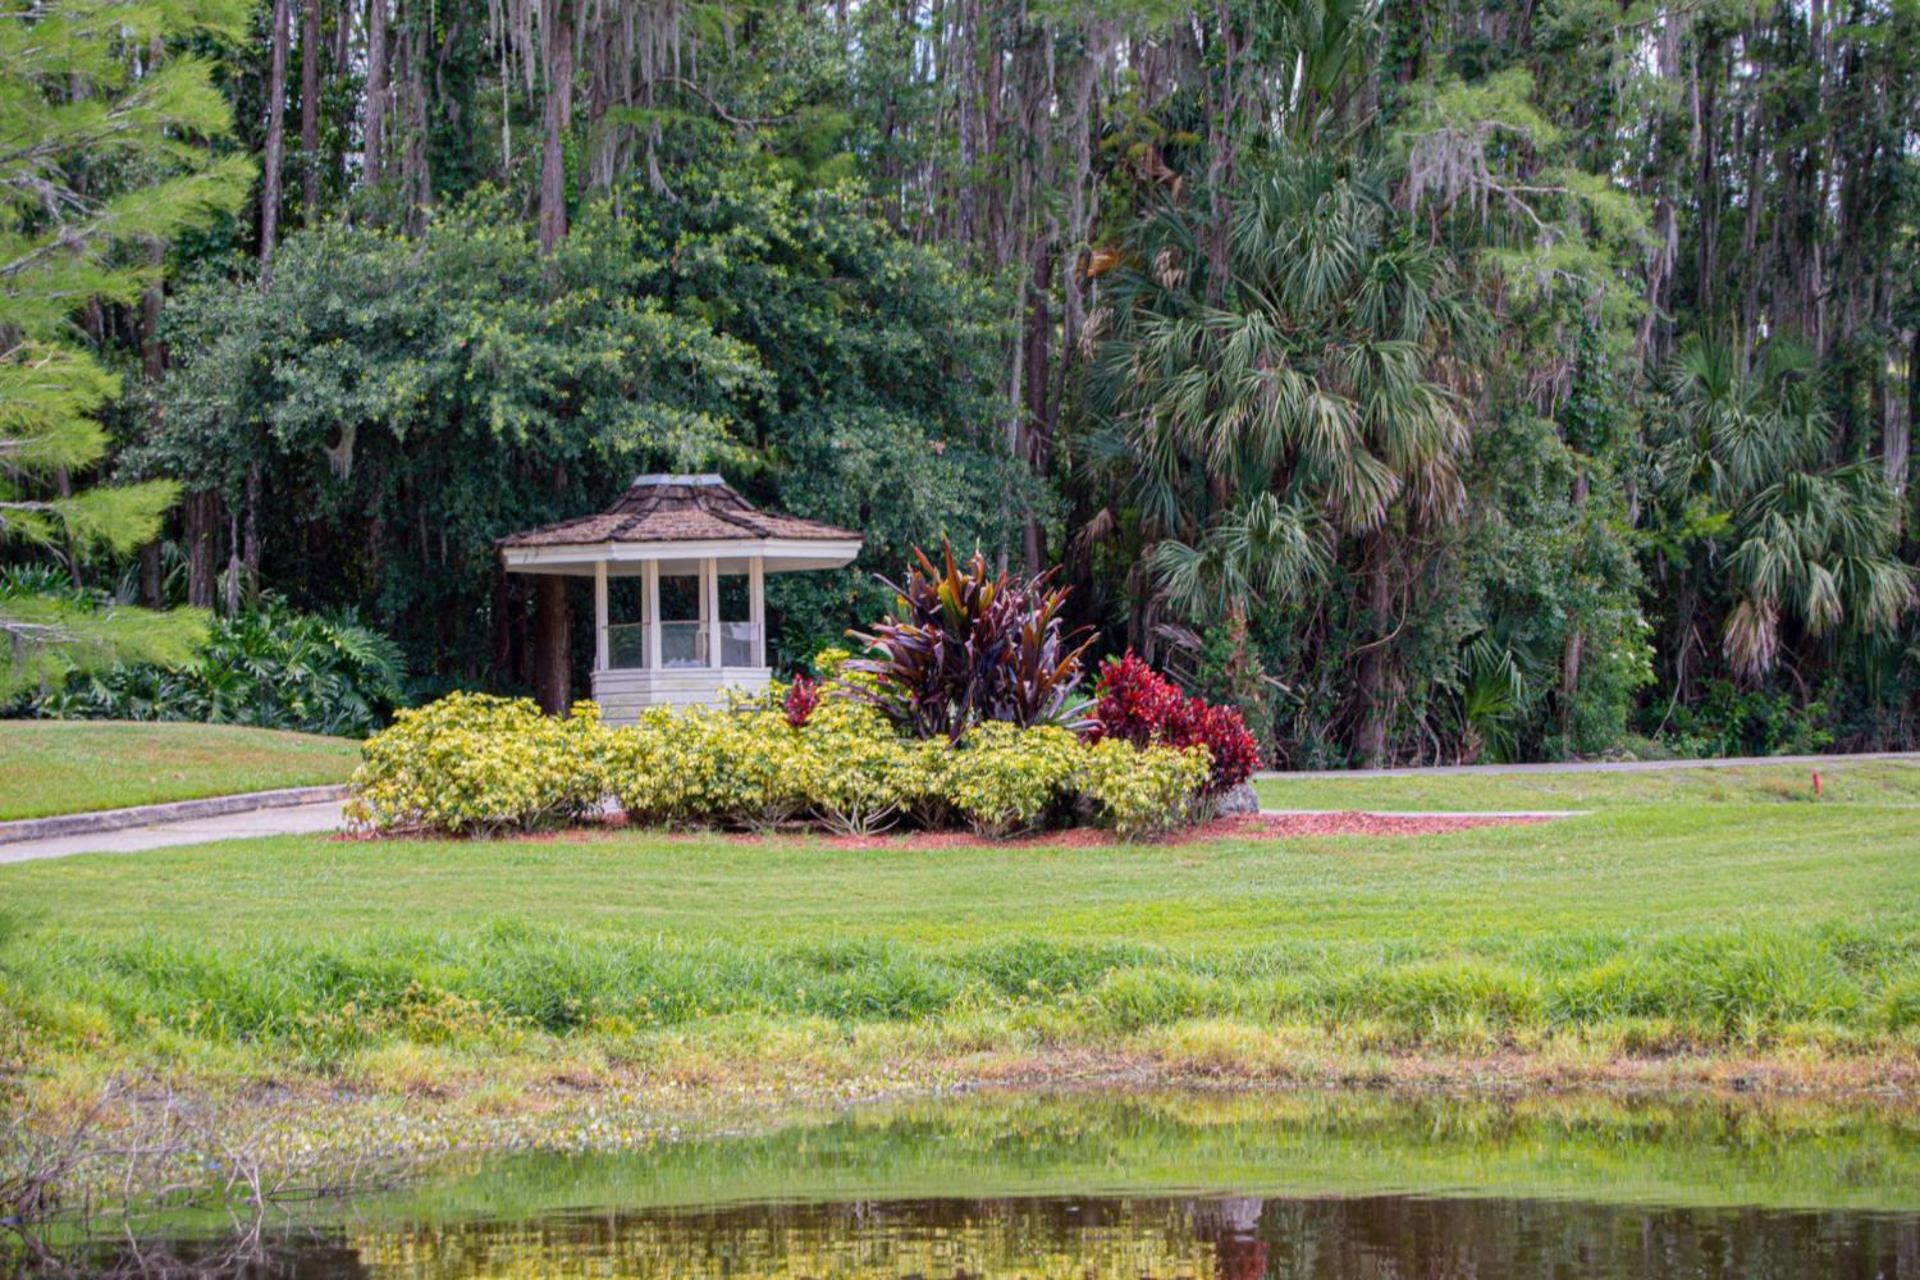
(1435, 381)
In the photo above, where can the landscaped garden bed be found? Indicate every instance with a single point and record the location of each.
(966, 716)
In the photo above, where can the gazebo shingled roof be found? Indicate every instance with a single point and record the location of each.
(678, 509)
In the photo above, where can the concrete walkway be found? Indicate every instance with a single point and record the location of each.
(289, 820)
(1592, 766)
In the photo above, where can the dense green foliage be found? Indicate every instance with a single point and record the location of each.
(97, 163)
(1429, 383)
(269, 667)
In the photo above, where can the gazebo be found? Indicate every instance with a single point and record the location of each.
(688, 558)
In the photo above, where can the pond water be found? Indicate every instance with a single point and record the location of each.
(1194, 1186)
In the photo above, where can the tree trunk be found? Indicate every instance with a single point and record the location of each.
(502, 619)
(1370, 678)
(276, 137)
(152, 582)
(203, 535)
(374, 127)
(1038, 442)
(966, 44)
(552, 677)
(559, 115)
(1899, 437)
(310, 113)
(250, 545)
(1576, 643)
(1222, 112)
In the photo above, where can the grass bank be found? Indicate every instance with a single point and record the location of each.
(1670, 941)
(51, 767)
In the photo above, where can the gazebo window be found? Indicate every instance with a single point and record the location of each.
(683, 617)
(627, 627)
(736, 621)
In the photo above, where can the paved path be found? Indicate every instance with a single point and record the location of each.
(299, 819)
(1593, 766)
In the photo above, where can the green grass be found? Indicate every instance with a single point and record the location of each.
(73, 766)
(1863, 782)
(1731, 927)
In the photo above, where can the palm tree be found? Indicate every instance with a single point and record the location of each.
(1789, 538)
(1311, 411)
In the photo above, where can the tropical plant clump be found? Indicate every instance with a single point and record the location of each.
(964, 646)
(269, 668)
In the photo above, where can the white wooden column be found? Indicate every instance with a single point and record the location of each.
(757, 607)
(710, 608)
(650, 615)
(600, 637)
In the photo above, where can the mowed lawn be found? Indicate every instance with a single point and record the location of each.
(1661, 867)
(1873, 782)
(1682, 923)
(72, 766)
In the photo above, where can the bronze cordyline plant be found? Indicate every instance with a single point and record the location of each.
(964, 645)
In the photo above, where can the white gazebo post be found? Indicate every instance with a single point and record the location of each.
(710, 608)
(650, 615)
(600, 655)
(756, 608)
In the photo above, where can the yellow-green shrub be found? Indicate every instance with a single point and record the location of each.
(857, 772)
(926, 781)
(1142, 792)
(699, 764)
(1004, 779)
(472, 763)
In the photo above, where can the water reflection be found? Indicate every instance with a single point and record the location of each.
(1215, 1187)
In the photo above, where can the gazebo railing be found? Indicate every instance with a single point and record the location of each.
(682, 644)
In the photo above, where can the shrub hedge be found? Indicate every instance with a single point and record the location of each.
(473, 764)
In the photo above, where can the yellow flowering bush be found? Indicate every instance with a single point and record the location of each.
(926, 781)
(702, 764)
(1004, 779)
(1144, 791)
(856, 770)
(476, 764)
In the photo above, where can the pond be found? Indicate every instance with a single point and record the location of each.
(1187, 1185)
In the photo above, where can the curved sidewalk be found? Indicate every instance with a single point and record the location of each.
(304, 811)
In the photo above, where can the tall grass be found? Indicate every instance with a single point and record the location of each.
(1709, 989)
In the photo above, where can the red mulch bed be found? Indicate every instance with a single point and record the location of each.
(1265, 826)
(1250, 827)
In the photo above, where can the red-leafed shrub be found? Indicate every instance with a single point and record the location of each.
(1225, 735)
(1137, 704)
(1132, 701)
(803, 695)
